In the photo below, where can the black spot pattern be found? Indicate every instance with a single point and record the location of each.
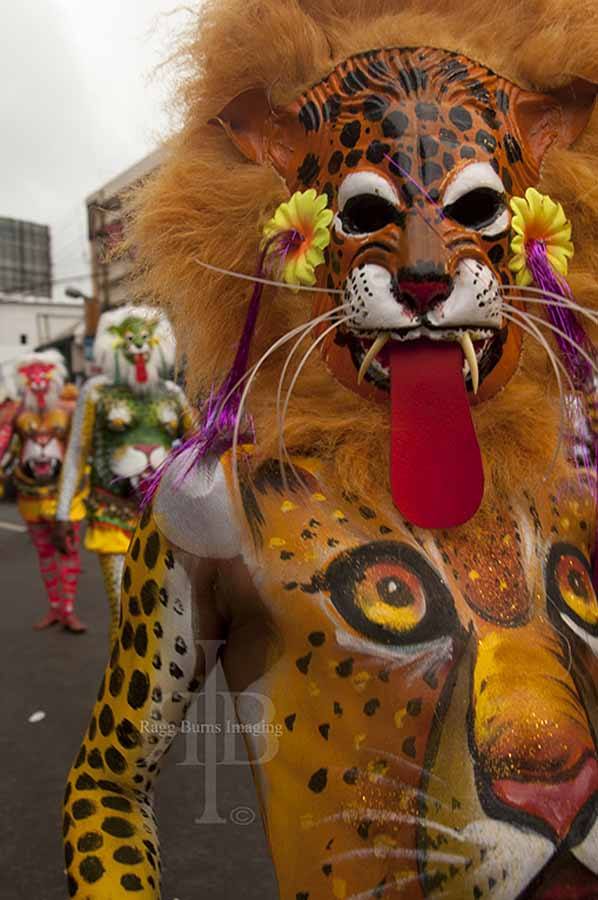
(152, 550)
(95, 759)
(84, 783)
(120, 804)
(461, 118)
(486, 141)
(83, 809)
(430, 172)
(318, 781)
(317, 638)
(115, 760)
(131, 883)
(371, 707)
(350, 134)
(117, 827)
(395, 125)
(91, 869)
(377, 151)
(106, 720)
(149, 596)
(141, 640)
(89, 842)
(513, 149)
(116, 681)
(345, 668)
(335, 162)
(303, 663)
(138, 689)
(352, 159)
(128, 856)
(309, 169)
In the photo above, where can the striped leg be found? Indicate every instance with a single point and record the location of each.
(41, 538)
(112, 569)
(69, 567)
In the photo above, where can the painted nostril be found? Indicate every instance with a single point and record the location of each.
(557, 803)
(423, 296)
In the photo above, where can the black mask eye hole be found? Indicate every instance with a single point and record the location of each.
(390, 594)
(366, 213)
(477, 209)
(570, 589)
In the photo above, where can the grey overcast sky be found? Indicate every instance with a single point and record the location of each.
(79, 103)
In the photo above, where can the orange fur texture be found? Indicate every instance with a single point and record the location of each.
(207, 202)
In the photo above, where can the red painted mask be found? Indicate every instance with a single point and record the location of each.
(419, 151)
(38, 378)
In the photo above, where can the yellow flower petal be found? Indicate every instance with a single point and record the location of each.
(308, 214)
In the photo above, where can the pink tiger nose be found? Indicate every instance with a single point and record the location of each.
(422, 295)
(557, 803)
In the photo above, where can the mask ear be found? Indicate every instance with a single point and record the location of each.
(262, 134)
(560, 117)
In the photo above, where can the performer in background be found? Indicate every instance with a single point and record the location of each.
(125, 423)
(32, 448)
(378, 522)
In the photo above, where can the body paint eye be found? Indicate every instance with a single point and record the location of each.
(389, 593)
(571, 592)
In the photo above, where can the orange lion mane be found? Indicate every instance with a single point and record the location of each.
(207, 202)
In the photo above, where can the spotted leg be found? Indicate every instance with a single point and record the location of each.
(111, 844)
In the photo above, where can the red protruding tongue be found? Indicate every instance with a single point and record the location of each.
(140, 369)
(437, 476)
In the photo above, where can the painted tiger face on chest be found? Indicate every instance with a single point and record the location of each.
(419, 152)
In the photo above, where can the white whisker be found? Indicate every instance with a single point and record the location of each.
(267, 281)
(282, 452)
(279, 343)
(564, 303)
(385, 817)
(560, 333)
(299, 370)
(428, 856)
(384, 754)
(557, 366)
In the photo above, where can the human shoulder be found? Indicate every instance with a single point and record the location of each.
(194, 508)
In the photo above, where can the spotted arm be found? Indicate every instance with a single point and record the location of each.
(79, 448)
(110, 834)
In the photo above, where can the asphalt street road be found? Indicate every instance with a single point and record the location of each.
(58, 674)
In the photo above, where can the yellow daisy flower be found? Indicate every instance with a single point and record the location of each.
(539, 218)
(306, 214)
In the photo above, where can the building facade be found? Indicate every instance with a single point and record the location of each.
(25, 258)
(105, 210)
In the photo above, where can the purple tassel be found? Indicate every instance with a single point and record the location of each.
(561, 317)
(220, 413)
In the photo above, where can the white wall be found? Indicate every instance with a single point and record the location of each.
(37, 322)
